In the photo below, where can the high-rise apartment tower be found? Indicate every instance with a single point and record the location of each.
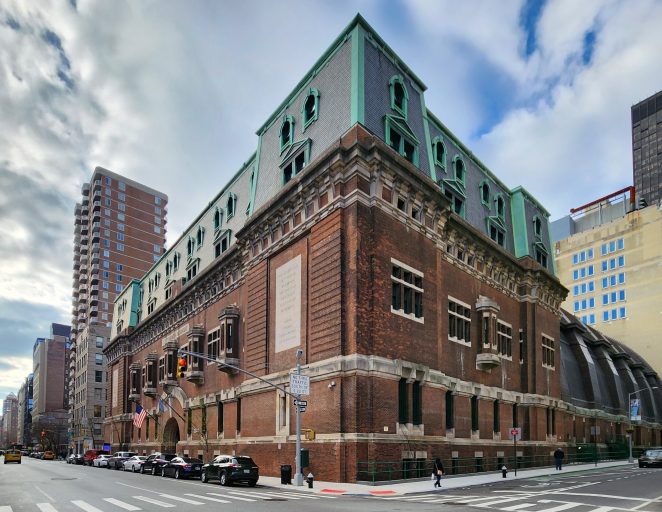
(119, 233)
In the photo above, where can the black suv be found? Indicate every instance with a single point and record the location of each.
(229, 469)
(118, 458)
(154, 462)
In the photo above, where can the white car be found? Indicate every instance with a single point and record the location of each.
(133, 463)
(101, 461)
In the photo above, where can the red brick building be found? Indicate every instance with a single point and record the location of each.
(426, 330)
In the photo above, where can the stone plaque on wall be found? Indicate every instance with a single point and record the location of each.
(288, 305)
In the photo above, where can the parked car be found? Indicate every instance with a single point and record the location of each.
(651, 458)
(90, 455)
(48, 455)
(12, 456)
(154, 462)
(134, 463)
(118, 458)
(229, 469)
(182, 467)
(101, 461)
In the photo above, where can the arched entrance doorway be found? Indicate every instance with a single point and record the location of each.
(170, 436)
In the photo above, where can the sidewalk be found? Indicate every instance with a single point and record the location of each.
(447, 482)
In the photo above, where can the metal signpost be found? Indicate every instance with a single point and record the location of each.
(299, 385)
(515, 434)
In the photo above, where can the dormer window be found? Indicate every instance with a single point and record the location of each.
(190, 246)
(439, 152)
(537, 226)
(500, 206)
(309, 110)
(218, 218)
(294, 167)
(231, 205)
(399, 95)
(286, 132)
(485, 193)
(175, 261)
(200, 236)
(157, 280)
(460, 169)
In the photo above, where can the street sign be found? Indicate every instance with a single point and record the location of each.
(516, 434)
(300, 403)
(299, 384)
(302, 408)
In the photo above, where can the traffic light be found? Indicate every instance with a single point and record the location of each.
(181, 368)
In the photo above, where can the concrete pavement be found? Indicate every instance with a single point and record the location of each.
(426, 485)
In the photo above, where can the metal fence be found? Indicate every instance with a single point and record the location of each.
(382, 471)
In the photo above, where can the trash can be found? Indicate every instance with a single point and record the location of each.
(286, 474)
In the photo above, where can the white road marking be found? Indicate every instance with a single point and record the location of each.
(602, 509)
(118, 503)
(558, 508)
(177, 498)
(250, 495)
(465, 501)
(519, 506)
(200, 496)
(42, 492)
(496, 502)
(45, 507)
(85, 506)
(154, 502)
(648, 502)
(609, 496)
(5, 508)
(295, 496)
(233, 497)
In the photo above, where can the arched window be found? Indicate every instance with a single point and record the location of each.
(459, 168)
(231, 205)
(286, 132)
(485, 193)
(200, 236)
(500, 206)
(190, 245)
(439, 152)
(399, 95)
(537, 226)
(218, 218)
(310, 108)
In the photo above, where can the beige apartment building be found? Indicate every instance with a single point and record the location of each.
(609, 255)
(119, 233)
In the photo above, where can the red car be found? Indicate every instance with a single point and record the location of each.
(90, 455)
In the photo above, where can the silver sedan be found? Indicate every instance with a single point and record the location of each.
(133, 463)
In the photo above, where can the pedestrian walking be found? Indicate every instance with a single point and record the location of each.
(438, 472)
(558, 458)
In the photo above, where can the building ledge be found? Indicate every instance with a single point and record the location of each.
(487, 361)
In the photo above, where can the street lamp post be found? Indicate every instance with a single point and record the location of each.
(630, 459)
(299, 476)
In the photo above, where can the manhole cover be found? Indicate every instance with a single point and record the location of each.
(63, 478)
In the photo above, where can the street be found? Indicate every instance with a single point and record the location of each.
(602, 490)
(51, 486)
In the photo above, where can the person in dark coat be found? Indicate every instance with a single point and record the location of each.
(558, 458)
(438, 471)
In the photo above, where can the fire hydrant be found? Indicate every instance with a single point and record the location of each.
(310, 479)
(504, 471)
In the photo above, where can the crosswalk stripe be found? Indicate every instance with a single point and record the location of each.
(258, 495)
(44, 507)
(519, 506)
(233, 497)
(294, 495)
(317, 496)
(464, 501)
(154, 502)
(5, 508)
(185, 500)
(565, 506)
(85, 506)
(118, 503)
(207, 498)
(488, 504)
(602, 509)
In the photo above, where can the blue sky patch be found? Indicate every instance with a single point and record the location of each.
(589, 47)
(529, 20)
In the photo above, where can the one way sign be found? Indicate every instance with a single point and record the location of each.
(300, 403)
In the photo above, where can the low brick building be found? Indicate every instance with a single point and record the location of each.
(419, 288)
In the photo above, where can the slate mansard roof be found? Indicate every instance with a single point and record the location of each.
(358, 79)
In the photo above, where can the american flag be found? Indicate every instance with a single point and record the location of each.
(139, 416)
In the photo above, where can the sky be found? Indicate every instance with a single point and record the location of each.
(170, 93)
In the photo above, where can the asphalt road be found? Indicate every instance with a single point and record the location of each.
(602, 490)
(50, 486)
